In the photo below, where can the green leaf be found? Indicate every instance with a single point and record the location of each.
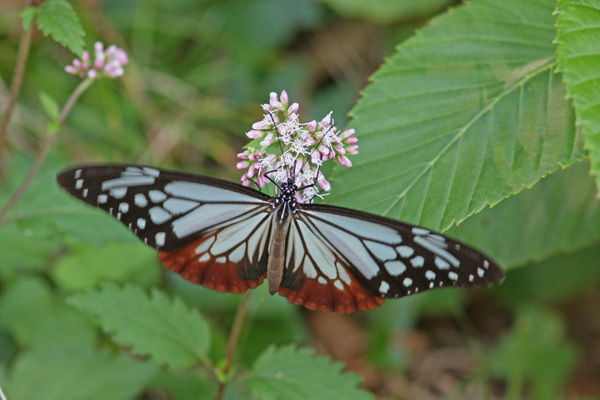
(49, 105)
(579, 60)
(87, 266)
(61, 374)
(289, 373)
(386, 10)
(28, 14)
(58, 19)
(467, 112)
(536, 352)
(38, 318)
(166, 330)
(560, 214)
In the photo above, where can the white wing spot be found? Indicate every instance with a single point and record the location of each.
(156, 196)
(486, 264)
(338, 284)
(417, 262)
(204, 257)
(384, 287)
(78, 183)
(118, 193)
(309, 269)
(159, 238)
(437, 248)
(431, 285)
(457, 246)
(441, 263)
(453, 276)
(84, 193)
(204, 246)
(124, 207)
(179, 206)
(141, 223)
(322, 280)
(407, 282)
(420, 231)
(441, 283)
(77, 174)
(158, 215)
(381, 251)
(118, 215)
(471, 277)
(480, 272)
(343, 274)
(238, 254)
(430, 275)
(152, 171)
(140, 200)
(395, 268)
(221, 260)
(405, 251)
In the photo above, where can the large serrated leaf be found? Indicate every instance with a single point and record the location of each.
(560, 214)
(167, 330)
(58, 19)
(579, 60)
(466, 113)
(296, 374)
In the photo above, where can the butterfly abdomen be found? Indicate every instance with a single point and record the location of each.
(277, 254)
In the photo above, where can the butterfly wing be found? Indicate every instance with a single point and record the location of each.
(344, 260)
(212, 232)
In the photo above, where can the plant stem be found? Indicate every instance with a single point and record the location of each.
(24, 46)
(233, 340)
(44, 150)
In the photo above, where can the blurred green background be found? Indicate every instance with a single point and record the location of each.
(199, 71)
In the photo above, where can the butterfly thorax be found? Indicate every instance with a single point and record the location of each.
(285, 202)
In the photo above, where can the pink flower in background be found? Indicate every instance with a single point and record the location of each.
(282, 144)
(107, 63)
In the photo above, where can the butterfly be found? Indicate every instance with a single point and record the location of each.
(229, 238)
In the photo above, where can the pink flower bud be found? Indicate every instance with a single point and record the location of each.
(340, 149)
(268, 140)
(351, 140)
(77, 63)
(71, 69)
(266, 107)
(348, 133)
(254, 134)
(326, 186)
(122, 56)
(243, 156)
(325, 122)
(284, 97)
(323, 149)
(251, 171)
(242, 165)
(312, 126)
(344, 161)
(352, 149)
(293, 109)
(92, 74)
(261, 125)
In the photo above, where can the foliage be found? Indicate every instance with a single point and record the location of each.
(468, 111)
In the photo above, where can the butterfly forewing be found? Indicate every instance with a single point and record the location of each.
(209, 231)
(389, 259)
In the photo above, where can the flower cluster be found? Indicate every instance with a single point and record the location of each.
(107, 63)
(282, 147)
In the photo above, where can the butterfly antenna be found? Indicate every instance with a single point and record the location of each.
(276, 131)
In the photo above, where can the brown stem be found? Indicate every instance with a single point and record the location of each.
(44, 150)
(233, 340)
(24, 47)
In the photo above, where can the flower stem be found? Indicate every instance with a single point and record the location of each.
(44, 150)
(24, 46)
(233, 340)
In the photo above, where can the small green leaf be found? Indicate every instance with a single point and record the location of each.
(386, 10)
(28, 14)
(579, 60)
(58, 19)
(56, 373)
(49, 105)
(166, 330)
(535, 354)
(296, 374)
(87, 266)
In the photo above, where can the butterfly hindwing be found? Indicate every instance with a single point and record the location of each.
(211, 232)
(343, 259)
